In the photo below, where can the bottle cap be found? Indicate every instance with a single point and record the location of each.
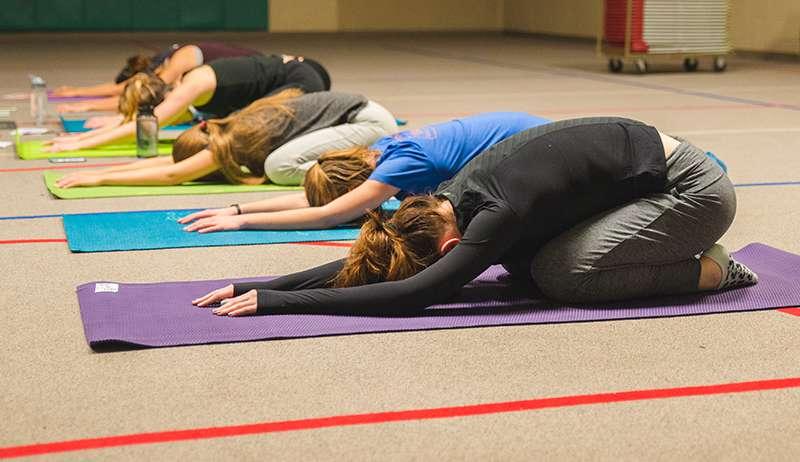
(37, 81)
(146, 109)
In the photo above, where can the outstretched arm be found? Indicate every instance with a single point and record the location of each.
(285, 202)
(103, 104)
(367, 196)
(197, 84)
(103, 89)
(154, 173)
(160, 161)
(490, 234)
(308, 279)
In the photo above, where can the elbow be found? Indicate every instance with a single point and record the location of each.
(326, 222)
(172, 179)
(325, 218)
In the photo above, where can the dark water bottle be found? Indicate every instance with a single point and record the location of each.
(146, 132)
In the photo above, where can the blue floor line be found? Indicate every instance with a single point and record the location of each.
(31, 217)
(776, 183)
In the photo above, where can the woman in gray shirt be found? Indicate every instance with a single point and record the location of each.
(275, 139)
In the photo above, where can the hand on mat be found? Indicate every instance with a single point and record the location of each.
(103, 121)
(79, 179)
(62, 138)
(80, 106)
(218, 223)
(227, 211)
(215, 296)
(242, 305)
(56, 145)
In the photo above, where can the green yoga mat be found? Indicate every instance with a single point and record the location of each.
(30, 150)
(92, 192)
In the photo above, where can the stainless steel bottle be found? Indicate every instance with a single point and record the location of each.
(146, 132)
(38, 100)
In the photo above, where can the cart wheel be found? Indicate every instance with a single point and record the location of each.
(720, 63)
(690, 64)
(641, 65)
(615, 65)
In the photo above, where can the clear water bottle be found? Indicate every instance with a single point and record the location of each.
(38, 100)
(146, 132)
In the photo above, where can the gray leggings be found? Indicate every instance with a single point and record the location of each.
(646, 247)
(288, 164)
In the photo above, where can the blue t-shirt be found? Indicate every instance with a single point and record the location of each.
(416, 161)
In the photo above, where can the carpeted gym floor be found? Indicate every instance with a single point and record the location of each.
(53, 388)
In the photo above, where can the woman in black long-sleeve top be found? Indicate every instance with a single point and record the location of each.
(590, 210)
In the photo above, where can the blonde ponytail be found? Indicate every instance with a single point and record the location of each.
(141, 89)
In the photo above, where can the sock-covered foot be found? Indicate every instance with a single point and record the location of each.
(734, 274)
(738, 275)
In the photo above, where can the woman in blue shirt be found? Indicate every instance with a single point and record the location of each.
(343, 185)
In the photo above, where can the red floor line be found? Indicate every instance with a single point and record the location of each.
(59, 167)
(31, 241)
(393, 416)
(792, 311)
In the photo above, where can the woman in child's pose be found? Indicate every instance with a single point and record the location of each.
(590, 210)
(168, 65)
(214, 90)
(340, 186)
(289, 125)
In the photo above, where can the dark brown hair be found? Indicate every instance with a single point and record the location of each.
(134, 65)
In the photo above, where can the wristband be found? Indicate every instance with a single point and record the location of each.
(238, 209)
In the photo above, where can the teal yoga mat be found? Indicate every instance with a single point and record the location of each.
(159, 229)
(79, 126)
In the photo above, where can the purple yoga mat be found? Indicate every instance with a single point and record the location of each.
(156, 315)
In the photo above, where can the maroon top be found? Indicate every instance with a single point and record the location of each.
(216, 50)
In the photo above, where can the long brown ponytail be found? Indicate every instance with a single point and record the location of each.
(336, 173)
(395, 248)
(245, 138)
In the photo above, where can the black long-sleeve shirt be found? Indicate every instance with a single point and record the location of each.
(508, 202)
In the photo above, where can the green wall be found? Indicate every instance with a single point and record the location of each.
(132, 15)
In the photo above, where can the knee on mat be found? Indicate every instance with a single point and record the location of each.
(561, 281)
(282, 174)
